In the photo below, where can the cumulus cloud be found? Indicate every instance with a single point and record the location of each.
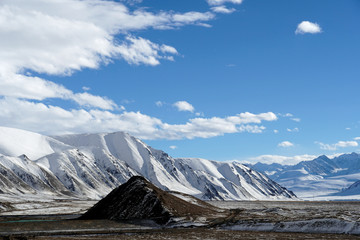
(308, 27)
(52, 120)
(285, 144)
(223, 9)
(335, 146)
(184, 106)
(357, 138)
(173, 147)
(221, 2)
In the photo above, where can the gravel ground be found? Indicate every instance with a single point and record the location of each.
(205, 234)
(59, 227)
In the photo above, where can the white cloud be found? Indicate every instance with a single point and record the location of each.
(88, 100)
(247, 117)
(221, 2)
(276, 131)
(357, 139)
(191, 17)
(61, 37)
(142, 51)
(173, 147)
(285, 144)
(53, 120)
(84, 88)
(293, 130)
(285, 160)
(222, 9)
(184, 106)
(28, 87)
(335, 146)
(159, 103)
(21, 86)
(308, 27)
(291, 116)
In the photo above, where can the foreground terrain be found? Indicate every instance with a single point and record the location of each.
(184, 234)
(251, 215)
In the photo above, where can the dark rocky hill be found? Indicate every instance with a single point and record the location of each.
(138, 199)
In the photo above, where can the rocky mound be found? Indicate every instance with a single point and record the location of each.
(139, 199)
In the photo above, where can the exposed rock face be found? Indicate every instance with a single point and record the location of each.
(139, 199)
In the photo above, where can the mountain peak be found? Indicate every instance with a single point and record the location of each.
(91, 164)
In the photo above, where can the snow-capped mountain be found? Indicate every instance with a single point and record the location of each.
(91, 165)
(321, 176)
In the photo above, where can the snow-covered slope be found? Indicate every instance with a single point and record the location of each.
(91, 165)
(318, 177)
(15, 142)
(353, 189)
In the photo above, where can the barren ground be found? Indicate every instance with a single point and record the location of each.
(65, 227)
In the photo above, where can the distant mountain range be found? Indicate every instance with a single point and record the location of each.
(91, 165)
(318, 177)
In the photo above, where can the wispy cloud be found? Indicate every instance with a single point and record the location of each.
(223, 9)
(159, 103)
(293, 129)
(296, 119)
(221, 2)
(308, 27)
(339, 144)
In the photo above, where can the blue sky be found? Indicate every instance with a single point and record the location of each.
(251, 80)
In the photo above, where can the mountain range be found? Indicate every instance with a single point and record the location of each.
(319, 177)
(91, 165)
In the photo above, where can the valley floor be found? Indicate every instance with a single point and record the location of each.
(50, 227)
(194, 234)
(255, 219)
